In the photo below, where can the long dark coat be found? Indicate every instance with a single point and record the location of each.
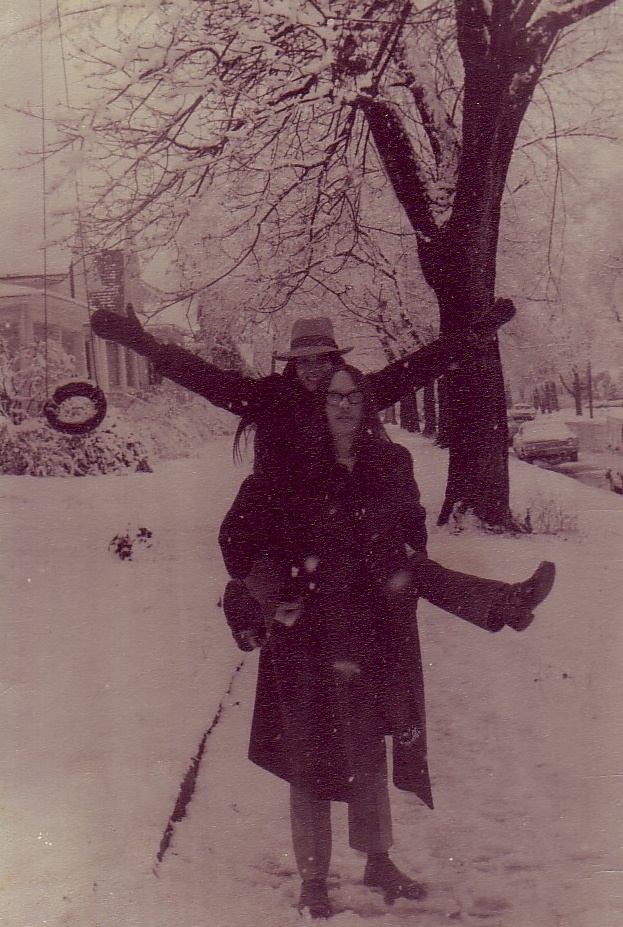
(350, 670)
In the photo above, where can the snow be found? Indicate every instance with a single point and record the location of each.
(112, 672)
(546, 429)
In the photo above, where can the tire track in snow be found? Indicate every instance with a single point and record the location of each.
(189, 782)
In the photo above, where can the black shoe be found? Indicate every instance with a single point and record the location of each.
(314, 897)
(381, 874)
(524, 597)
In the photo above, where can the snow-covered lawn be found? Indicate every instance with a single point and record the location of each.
(111, 673)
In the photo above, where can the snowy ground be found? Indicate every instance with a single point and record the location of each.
(111, 672)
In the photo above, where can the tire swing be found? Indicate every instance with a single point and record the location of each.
(76, 408)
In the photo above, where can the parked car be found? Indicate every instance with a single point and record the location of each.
(522, 412)
(546, 440)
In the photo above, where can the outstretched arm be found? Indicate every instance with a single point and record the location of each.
(414, 371)
(227, 389)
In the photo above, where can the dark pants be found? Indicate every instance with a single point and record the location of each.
(471, 598)
(369, 825)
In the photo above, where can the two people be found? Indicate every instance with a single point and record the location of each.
(340, 667)
(317, 543)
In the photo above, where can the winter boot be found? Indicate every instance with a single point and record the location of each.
(315, 898)
(521, 599)
(383, 875)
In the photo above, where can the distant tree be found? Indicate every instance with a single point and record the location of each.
(409, 412)
(574, 388)
(430, 411)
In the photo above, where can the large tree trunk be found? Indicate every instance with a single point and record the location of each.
(474, 401)
(477, 436)
(458, 259)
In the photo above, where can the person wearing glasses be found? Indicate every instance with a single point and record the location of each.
(279, 411)
(340, 667)
(265, 404)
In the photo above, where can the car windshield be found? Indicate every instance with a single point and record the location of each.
(546, 430)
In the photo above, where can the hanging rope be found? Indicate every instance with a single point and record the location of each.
(77, 407)
(79, 209)
(44, 197)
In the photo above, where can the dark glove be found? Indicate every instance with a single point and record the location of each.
(502, 311)
(125, 330)
(266, 583)
(487, 325)
(244, 616)
(468, 344)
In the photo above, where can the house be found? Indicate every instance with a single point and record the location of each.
(58, 307)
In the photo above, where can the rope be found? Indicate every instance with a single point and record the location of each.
(79, 210)
(44, 186)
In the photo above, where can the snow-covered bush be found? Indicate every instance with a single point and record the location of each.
(32, 448)
(159, 422)
(29, 374)
(545, 515)
(171, 421)
(29, 446)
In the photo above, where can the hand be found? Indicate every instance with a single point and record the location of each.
(288, 613)
(125, 330)
(485, 327)
(243, 614)
(249, 640)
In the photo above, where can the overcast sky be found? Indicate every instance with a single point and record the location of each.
(21, 228)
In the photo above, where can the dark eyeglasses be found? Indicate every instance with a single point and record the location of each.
(354, 399)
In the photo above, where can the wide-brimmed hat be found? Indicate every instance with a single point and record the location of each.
(310, 337)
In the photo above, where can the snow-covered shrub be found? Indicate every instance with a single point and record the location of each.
(32, 448)
(158, 422)
(545, 515)
(29, 374)
(172, 422)
(28, 446)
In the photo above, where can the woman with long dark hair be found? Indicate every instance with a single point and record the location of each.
(340, 667)
(278, 407)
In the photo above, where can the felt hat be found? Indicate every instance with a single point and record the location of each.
(310, 337)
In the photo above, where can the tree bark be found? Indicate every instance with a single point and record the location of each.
(459, 263)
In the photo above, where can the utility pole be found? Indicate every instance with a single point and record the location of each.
(589, 383)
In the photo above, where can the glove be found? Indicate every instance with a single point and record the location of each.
(244, 617)
(467, 344)
(502, 311)
(125, 330)
(266, 583)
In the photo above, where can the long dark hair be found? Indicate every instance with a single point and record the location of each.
(371, 431)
